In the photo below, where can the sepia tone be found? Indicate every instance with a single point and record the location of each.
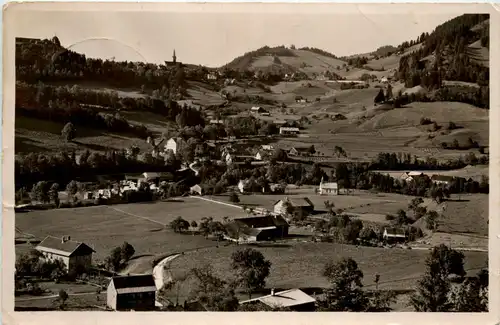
(289, 178)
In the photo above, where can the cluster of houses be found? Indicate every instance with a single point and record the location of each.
(132, 182)
(436, 178)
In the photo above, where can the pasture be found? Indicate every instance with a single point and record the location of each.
(140, 224)
(301, 264)
(35, 135)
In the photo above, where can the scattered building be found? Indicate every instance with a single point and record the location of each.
(261, 155)
(294, 299)
(442, 179)
(216, 121)
(257, 109)
(238, 159)
(76, 256)
(132, 292)
(394, 235)
(328, 188)
(242, 185)
(303, 204)
(257, 228)
(384, 80)
(196, 190)
(267, 147)
(298, 151)
(411, 176)
(211, 76)
(289, 131)
(174, 144)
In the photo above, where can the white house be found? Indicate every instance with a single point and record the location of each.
(394, 235)
(442, 179)
(174, 144)
(242, 185)
(257, 109)
(330, 188)
(288, 130)
(76, 256)
(384, 80)
(211, 76)
(267, 147)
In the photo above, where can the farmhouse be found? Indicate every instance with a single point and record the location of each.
(298, 151)
(303, 204)
(267, 147)
(257, 228)
(328, 188)
(257, 109)
(196, 190)
(216, 121)
(295, 299)
(392, 235)
(410, 176)
(289, 131)
(442, 179)
(132, 292)
(234, 159)
(174, 144)
(384, 80)
(76, 256)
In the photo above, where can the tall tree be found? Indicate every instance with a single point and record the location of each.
(434, 288)
(251, 268)
(213, 292)
(345, 292)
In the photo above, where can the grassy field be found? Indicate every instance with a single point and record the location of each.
(301, 264)
(469, 215)
(474, 172)
(142, 225)
(35, 135)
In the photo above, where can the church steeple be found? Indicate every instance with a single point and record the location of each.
(174, 58)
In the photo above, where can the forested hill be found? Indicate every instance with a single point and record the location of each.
(456, 50)
(44, 60)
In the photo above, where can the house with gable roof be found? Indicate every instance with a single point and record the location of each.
(76, 256)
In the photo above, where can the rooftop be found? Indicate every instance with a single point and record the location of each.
(299, 202)
(58, 246)
(134, 283)
(287, 298)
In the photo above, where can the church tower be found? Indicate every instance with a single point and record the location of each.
(174, 58)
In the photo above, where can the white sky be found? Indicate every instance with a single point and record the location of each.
(213, 38)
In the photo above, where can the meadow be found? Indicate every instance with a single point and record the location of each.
(142, 224)
(300, 264)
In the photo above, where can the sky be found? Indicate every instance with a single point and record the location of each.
(214, 38)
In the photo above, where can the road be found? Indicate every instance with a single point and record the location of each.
(55, 296)
(158, 271)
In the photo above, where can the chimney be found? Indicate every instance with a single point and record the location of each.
(64, 239)
(272, 292)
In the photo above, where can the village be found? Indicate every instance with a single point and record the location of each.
(260, 185)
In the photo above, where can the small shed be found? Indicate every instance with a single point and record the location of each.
(132, 292)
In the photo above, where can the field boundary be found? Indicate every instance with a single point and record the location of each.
(216, 201)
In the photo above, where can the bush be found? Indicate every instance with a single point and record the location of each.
(389, 217)
(425, 121)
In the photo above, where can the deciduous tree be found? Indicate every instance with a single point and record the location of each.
(251, 268)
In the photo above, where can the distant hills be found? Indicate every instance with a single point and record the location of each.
(459, 48)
